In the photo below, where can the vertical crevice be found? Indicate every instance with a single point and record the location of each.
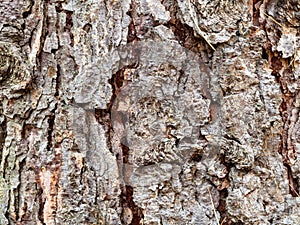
(283, 75)
(293, 183)
(2, 136)
(41, 202)
(44, 33)
(256, 11)
(185, 34)
(132, 33)
(127, 191)
(222, 207)
(128, 202)
(51, 123)
(7, 213)
(105, 117)
(285, 149)
(58, 81)
(69, 25)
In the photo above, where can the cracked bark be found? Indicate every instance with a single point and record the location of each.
(120, 112)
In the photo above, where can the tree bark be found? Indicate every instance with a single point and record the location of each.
(149, 112)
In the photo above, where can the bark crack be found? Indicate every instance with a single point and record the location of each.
(58, 81)
(184, 33)
(41, 206)
(2, 136)
(224, 217)
(7, 213)
(283, 75)
(51, 123)
(132, 33)
(104, 117)
(286, 149)
(128, 202)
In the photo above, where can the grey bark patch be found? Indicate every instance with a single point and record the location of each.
(115, 121)
(15, 71)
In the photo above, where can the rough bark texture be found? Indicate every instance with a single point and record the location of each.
(149, 112)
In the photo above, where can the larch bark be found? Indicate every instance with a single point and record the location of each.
(149, 112)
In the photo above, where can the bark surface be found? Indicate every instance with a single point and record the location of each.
(149, 112)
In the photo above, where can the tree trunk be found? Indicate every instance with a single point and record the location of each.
(149, 112)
